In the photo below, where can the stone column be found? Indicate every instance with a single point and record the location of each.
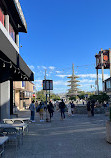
(5, 100)
(7, 22)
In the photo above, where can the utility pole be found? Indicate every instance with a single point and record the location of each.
(46, 97)
(45, 79)
(97, 82)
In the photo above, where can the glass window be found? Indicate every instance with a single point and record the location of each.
(108, 85)
(23, 83)
(2, 17)
(11, 32)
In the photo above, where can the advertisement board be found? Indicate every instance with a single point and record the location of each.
(47, 84)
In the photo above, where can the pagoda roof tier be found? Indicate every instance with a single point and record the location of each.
(74, 85)
(73, 81)
(73, 76)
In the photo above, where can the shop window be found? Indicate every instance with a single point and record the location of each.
(11, 32)
(2, 17)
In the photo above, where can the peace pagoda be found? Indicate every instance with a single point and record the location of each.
(73, 91)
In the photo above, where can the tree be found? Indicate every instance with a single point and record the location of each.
(72, 98)
(101, 98)
(41, 96)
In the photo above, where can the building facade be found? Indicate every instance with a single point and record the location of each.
(12, 66)
(22, 94)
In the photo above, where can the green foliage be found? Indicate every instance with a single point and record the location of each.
(81, 96)
(101, 98)
(54, 97)
(72, 98)
(41, 96)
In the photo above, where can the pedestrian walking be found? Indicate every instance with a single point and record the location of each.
(62, 109)
(72, 108)
(89, 108)
(92, 106)
(50, 109)
(36, 105)
(32, 109)
(69, 109)
(41, 111)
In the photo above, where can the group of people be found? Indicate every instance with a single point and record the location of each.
(71, 108)
(90, 107)
(48, 108)
(40, 108)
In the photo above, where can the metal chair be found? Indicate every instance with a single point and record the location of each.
(2, 146)
(13, 136)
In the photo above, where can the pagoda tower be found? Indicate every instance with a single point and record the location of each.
(73, 91)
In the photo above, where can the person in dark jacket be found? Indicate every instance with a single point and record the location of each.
(50, 109)
(89, 108)
(62, 109)
(92, 106)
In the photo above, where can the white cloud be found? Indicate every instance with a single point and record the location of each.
(51, 67)
(62, 76)
(58, 72)
(44, 67)
(60, 82)
(38, 84)
(87, 81)
(38, 67)
(93, 76)
(31, 67)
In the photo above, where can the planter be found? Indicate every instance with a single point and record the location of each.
(108, 131)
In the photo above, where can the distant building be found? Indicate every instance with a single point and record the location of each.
(107, 86)
(12, 66)
(22, 94)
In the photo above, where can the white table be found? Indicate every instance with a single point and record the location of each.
(23, 120)
(3, 139)
(27, 119)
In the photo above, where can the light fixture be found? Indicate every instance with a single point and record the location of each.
(3, 64)
(10, 65)
(15, 71)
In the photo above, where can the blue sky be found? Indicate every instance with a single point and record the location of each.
(62, 32)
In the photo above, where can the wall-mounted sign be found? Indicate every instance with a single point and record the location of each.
(47, 84)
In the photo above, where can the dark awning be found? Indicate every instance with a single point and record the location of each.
(14, 68)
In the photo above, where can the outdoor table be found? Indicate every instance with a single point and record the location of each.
(23, 120)
(3, 139)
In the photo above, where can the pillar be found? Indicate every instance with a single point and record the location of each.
(5, 100)
(11, 97)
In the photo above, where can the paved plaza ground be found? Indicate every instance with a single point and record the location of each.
(75, 137)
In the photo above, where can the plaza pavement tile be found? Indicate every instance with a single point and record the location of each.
(79, 136)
